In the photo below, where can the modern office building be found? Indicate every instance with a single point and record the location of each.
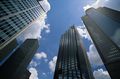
(16, 65)
(103, 25)
(72, 62)
(113, 14)
(26, 75)
(7, 49)
(15, 16)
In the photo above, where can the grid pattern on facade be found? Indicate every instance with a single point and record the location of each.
(111, 51)
(101, 27)
(113, 14)
(67, 60)
(72, 62)
(15, 15)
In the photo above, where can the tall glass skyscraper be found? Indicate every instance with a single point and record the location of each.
(15, 16)
(103, 25)
(16, 65)
(7, 51)
(72, 62)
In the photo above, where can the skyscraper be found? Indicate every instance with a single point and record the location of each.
(7, 49)
(103, 27)
(72, 62)
(15, 16)
(26, 75)
(16, 66)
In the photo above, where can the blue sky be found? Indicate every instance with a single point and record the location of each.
(60, 16)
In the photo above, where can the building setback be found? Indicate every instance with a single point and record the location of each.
(16, 65)
(72, 62)
(102, 25)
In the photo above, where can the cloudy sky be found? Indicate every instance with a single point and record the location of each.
(61, 14)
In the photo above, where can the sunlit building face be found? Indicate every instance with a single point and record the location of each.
(15, 16)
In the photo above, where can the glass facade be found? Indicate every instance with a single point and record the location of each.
(16, 65)
(107, 21)
(15, 16)
(101, 29)
(113, 14)
(7, 49)
(72, 62)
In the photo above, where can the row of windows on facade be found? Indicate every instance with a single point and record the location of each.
(70, 74)
(69, 63)
(10, 26)
(113, 52)
(11, 6)
(25, 19)
(35, 11)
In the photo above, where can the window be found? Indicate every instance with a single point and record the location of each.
(1, 40)
(2, 12)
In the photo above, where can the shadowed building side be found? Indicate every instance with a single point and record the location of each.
(101, 27)
(26, 75)
(15, 66)
(5, 52)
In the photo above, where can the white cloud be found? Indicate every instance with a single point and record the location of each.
(98, 3)
(40, 55)
(34, 73)
(33, 63)
(52, 63)
(92, 53)
(44, 74)
(83, 32)
(45, 4)
(46, 60)
(107, 0)
(94, 56)
(87, 7)
(101, 74)
(47, 28)
(34, 29)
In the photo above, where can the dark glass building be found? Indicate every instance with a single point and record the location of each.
(15, 16)
(7, 49)
(16, 65)
(103, 25)
(26, 75)
(72, 62)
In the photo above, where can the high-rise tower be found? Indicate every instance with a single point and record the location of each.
(15, 16)
(72, 62)
(16, 65)
(103, 25)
